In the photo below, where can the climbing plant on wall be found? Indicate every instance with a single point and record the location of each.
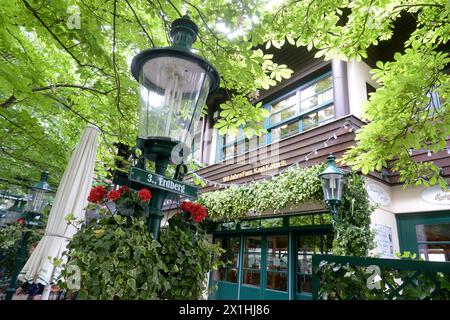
(292, 187)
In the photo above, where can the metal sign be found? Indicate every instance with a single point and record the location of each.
(154, 180)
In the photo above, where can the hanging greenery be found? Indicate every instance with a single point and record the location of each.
(353, 234)
(115, 257)
(292, 187)
(10, 241)
(295, 186)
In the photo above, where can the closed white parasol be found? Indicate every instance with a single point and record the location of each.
(71, 198)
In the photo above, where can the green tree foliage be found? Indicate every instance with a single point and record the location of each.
(402, 114)
(353, 234)
(10, 241)
(56, 76)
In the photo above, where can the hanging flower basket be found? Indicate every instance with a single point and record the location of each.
(124, 201)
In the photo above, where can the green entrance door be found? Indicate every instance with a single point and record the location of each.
(265, 267)
(426, 234)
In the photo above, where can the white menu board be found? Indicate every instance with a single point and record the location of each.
(383, 240)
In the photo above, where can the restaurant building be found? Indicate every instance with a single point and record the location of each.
(313, 113)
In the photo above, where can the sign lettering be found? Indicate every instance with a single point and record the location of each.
(257, 170)
(154, 180)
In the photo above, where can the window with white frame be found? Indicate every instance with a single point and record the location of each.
(306, 107)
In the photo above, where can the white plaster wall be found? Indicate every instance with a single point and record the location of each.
(383, 214)
(386, 218)
(410, 200)
(399, 201)
(358, 73)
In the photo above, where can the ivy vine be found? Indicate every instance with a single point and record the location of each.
(117, 258)
(295, 186)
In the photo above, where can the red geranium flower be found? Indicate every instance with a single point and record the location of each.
(97, 194)
(196, 211)
(124, 189)
(20, 221)
(114, 195)
(145, 195)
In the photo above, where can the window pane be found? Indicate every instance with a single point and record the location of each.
(229, 152)
(315, 88)
(252, 143)
(433, 232)
(277, 253)
(251, 277)
(283, 115)
(232, 275)
(233, 252)
(276, 281)
(326, 114)
(304, 283)
(252, 260)
(308, 244)
(285, 103)
(316, 94)
(285, 131)
(435, 252)
(227, 226)
(301, 220)
(304, 263)
(327, 243)
(250, 224)
(229, 257)
(240, 147)
(219, 274)
(196, 147)
(314, 119)
(272, 223)
(324, 218)
(253, 244)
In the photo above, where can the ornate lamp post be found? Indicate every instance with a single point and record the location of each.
(332, 184)
(40, 196)
(174, 85)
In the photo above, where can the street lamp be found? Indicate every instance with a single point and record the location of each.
(332, 184)
(174, 85)
(40, 196)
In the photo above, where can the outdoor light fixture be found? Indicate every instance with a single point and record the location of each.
(332, 184)
(40, 197)
(174, 85)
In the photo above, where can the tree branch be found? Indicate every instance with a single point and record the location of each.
(72, 86)
(8, 102)
(35, 14)
(116, 73)
(140, 24)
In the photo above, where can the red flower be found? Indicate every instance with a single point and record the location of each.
(196, 211)
(20, 221)
(114, 195)
(145, 195)
(124, 189)
(97, 194)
